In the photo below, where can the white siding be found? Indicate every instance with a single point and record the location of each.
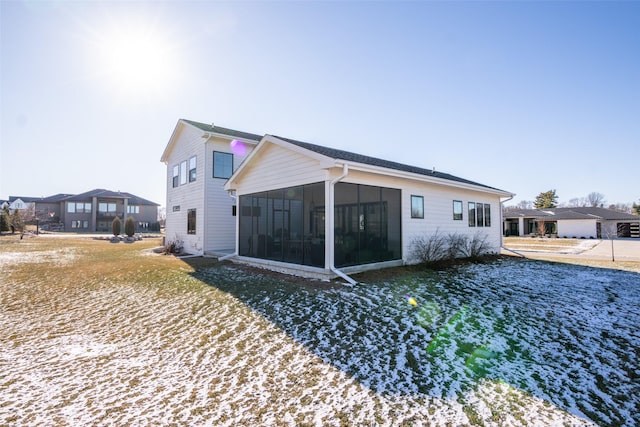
(220, 223)
(188, 196)
(577, 228)
(277, 167)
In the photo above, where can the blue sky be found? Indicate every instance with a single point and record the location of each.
(523, 96)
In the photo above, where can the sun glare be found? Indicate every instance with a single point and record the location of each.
(136, 61)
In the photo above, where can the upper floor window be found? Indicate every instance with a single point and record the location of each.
(457, 210)
(133, 209)
(417, 207)
(192, 169)
(176, 175)
(78, 207)
(183, 173)
(107, 207)
(222, 165)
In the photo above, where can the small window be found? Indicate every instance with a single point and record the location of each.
(222, 165)
(191, 221)
(479, 214)
(234, 210)
(192, 169)
(417, 207)
(71, 208)
(487, 215)
(176, 174)
(176, 208)
(457, 210)
(87, 207)
(472, 214)
(183, 173)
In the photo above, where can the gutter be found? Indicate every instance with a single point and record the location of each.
(502, 225)
(235, 253)
(345, 172)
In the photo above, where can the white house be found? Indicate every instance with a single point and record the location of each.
(580, 222)
(308, 209)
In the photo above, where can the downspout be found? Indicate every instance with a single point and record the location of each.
(235, 252)
(502, 231)
(345, 172)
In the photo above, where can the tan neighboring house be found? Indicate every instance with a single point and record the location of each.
(308, 209)
(92, 211)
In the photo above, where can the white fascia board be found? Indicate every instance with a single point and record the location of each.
(208, 135)
(228, 186)
(325, 162)
(421, 178)
(172, 141)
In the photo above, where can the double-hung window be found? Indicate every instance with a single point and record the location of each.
(176, 176)
(183, 173)
(192, 169)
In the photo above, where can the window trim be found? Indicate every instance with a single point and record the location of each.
(461, 214)
(218, 176)
(421, 199)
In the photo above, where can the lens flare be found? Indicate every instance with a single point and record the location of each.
(411, 300)
(238, 148)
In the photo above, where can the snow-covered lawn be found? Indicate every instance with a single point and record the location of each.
(512, 342)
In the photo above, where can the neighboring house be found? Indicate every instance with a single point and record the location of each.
(92, 211)
(312, 210)
(581, 222)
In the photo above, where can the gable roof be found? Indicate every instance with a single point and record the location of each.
(337, 154)
(572, 213)
(210, 129)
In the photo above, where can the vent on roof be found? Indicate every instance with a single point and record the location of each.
(433, 171)
(212, 125)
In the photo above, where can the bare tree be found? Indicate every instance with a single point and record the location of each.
(595, 199)
(621, 207)
(525, 204)
(577, 202)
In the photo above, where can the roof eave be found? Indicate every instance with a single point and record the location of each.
(420, 177)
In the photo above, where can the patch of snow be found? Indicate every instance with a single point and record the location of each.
(515, 342)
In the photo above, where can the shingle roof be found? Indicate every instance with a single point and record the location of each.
(225, 131)
(108, 194)
(373, 161)
(572, 213)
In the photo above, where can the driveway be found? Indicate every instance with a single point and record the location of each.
(623, 250)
